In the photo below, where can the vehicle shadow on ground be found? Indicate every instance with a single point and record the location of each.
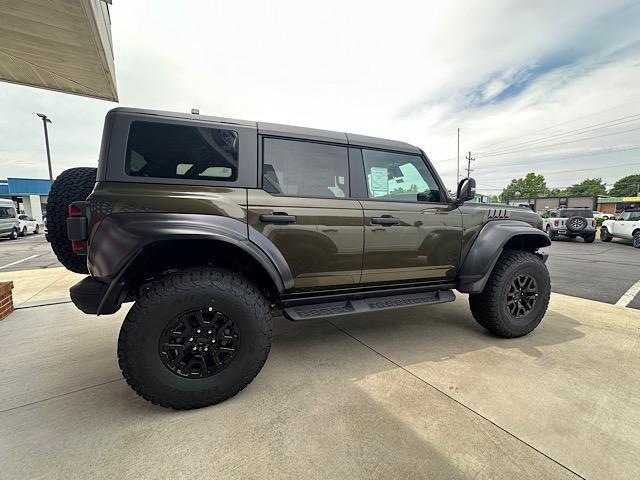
(437, 333)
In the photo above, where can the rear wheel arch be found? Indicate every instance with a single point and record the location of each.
(163, 257)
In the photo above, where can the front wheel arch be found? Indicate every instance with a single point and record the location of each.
(495, 238)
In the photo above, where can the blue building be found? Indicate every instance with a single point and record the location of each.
(30, 195)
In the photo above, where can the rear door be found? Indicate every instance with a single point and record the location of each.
(305, 209)
(411, 232)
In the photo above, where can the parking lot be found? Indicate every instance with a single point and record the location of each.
(419, 393)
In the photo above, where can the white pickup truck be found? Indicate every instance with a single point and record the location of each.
(626, 226)
(570, 222)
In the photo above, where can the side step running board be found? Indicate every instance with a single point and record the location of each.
(363, 305)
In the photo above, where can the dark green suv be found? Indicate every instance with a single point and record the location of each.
(212, 225)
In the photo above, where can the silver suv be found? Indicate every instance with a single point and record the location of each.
(570, 222)
(9, 224)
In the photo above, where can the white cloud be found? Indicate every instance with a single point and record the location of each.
(403, 71)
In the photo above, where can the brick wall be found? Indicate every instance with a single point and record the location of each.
(6, 301)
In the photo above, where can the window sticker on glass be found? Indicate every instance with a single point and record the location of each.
(379, 181)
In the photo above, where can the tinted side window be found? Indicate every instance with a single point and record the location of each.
(181, 151)
(305, 169)
(400, 177)
(7, 212)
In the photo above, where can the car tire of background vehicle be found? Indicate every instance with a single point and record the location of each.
(605, 236)
(516, 296)
(36, 230)
(70, 186)
(590, 238)
(552, 235)
(14, 234)
(181, 309)
(23, 233)
(636, 239)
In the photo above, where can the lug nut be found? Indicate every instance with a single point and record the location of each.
(198, 331)
(209, 332)
(206, 349)
(191, 339)
(195, 348)
(213, 340)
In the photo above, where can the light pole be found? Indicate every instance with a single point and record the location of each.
(46, 120)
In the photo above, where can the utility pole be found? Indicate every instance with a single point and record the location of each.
(458, 174)
(469, 160)
(46, 120)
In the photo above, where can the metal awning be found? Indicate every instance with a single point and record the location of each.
(62, 45)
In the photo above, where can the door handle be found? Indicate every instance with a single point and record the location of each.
(387, 220)
(278, 217)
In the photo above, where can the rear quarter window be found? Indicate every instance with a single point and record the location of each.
(181, 152)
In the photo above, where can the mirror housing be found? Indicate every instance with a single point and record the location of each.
(466, 190)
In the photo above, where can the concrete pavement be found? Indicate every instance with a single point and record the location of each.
(419, 393)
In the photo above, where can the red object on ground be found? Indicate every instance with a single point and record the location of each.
(6, 300)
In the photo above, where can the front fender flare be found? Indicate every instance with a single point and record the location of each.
(488, 246)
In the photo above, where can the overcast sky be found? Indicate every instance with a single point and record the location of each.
(545, 86)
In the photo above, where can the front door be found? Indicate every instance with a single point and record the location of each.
(629, 221)
(411, 234)
(305, 210)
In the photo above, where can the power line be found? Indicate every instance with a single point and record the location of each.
(569, 133)
(576, 156)
(561, 143)
(575, 119)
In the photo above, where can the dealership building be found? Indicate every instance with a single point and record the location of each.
(29, 195)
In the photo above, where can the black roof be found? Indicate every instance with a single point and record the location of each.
(289, 131)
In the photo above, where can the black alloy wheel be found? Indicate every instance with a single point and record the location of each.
(199, 343)
(522, 295)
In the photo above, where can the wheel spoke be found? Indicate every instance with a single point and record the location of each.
(199, 343)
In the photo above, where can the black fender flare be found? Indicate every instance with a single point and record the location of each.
(120, 238)
(489, 244)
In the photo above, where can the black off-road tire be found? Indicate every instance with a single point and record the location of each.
(139, 341)
(590, 238)
(605, 236)
(489, 308)
(71, 185)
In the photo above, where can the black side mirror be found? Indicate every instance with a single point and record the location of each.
(466, 190)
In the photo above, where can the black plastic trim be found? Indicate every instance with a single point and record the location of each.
(355, 293)
(95, 297)
(488, 246)
(122, 236)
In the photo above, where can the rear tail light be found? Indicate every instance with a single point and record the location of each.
(556, 222)
(78, 246)
(74, 211)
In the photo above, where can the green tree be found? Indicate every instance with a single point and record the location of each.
(531, 185)
(494, 199)
(589, 186)
(628, 186)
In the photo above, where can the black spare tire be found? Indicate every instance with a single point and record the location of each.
(70, 186)
(576, 224)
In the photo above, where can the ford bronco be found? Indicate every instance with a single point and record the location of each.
(212, 225)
